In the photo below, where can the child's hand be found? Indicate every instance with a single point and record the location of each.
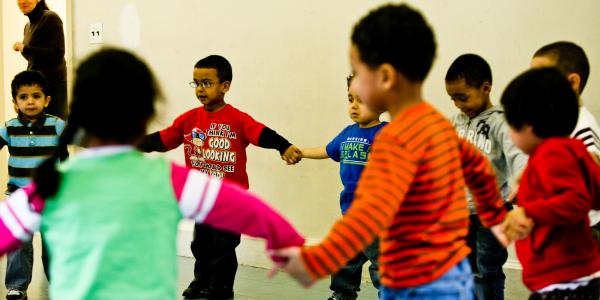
(292, 155)
(18, 46)
(499, 231)
(518, 225)
(290, 261)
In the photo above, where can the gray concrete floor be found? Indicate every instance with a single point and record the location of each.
(252, 284)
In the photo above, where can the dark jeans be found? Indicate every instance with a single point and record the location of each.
(596, 234)
(588, 292)
(19, 266)
(216, 261)
(345, 284)
(58, 101)
(487, 258)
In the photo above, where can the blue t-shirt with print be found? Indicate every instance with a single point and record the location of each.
(351, 149)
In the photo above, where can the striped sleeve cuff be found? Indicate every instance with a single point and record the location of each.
(195, 191)
(227, 206)
(18, 221)
(312, 264)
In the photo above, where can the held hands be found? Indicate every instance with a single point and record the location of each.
(290, 261)
(18, 46)
(517, 225)
(292, 155)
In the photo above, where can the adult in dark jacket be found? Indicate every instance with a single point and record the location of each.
(44, 48)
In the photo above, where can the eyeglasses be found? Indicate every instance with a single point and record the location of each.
(203, 83)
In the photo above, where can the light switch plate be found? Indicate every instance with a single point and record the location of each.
(96, 33)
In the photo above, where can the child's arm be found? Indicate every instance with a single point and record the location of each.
(516, 160)
(315, 153)
(588, 132)
(64, 151)
(260, 135)
(226, 206)
(481, 180)
(378, 198)
(168, 138)
(270, 139)
(19, 218)
(517, 224)
(152, 142)
(3, 137)
(562, 178)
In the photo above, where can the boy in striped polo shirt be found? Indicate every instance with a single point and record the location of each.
(31, 137)
(411, 193)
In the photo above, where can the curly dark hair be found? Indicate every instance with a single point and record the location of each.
(398, 35)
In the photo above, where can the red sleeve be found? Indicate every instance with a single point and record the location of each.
(252, 128)
(569, 201)
(172, 136)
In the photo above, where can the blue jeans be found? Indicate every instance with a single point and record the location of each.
(487, 258)
(345, 284)
(456, 284)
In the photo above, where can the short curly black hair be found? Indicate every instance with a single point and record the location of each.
(543, 99)
(398, 35)
(219, 63)
(472, 68)
(28, 78)
(570, 58)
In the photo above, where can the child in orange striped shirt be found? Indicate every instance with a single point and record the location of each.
(411, 194)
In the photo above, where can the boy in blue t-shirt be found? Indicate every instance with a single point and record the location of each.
(351, 149)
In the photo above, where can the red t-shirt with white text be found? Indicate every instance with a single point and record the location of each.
(215, 142)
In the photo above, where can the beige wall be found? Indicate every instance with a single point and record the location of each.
(13, 22)
(290, 62)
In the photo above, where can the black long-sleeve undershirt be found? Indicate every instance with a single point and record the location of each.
(268, 139)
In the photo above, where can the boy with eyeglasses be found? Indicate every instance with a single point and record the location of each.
(215, 136)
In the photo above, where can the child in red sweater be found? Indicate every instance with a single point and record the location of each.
(556, 191)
